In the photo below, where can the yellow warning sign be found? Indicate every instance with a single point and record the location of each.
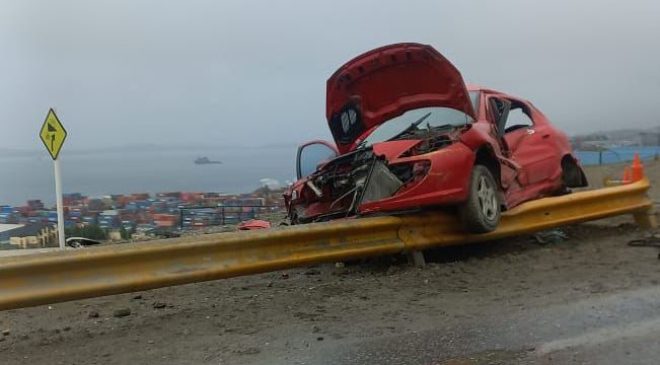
(52, 134)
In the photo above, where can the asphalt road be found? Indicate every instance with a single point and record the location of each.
(620, 328)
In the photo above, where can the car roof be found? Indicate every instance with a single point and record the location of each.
(475, 87)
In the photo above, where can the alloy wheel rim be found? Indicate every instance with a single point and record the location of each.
(487, 198)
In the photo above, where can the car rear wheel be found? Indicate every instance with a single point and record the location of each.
(572, 175)
(481, 212)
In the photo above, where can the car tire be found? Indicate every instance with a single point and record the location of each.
(571, 174)
(481, 212)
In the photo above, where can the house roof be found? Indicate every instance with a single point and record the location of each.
(9, 227)
(28, 230)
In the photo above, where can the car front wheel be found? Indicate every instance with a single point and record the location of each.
(481, 212)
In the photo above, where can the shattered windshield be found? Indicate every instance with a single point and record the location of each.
(415, 120)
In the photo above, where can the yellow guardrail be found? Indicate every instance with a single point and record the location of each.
(75, 274)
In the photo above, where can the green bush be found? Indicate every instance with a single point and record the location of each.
(90, 231)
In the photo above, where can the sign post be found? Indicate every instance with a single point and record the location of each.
(53, 134)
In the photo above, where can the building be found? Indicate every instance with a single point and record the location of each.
(32, 235)
(6, 231)
(35, 204)
(114, 235)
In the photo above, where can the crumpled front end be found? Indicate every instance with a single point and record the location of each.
(336, 190)
(349, 181)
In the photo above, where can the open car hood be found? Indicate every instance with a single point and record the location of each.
(385, 82)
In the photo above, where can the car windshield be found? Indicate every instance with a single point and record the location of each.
(427, 118)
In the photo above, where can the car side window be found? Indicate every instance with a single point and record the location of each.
(519, 117)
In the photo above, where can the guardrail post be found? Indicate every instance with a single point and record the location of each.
(416, 258)
(646, 219)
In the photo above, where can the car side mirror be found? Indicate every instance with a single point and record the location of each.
(312, 154)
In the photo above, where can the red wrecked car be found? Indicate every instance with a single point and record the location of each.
(409, 134)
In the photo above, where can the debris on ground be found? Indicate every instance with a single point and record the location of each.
(122, 312)
(313, 272)
(550, 236)
(651, 239)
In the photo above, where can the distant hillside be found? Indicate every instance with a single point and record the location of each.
(617, 138)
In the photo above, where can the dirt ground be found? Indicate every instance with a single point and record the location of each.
(514, 301)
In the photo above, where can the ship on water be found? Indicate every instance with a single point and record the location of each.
(206, 161)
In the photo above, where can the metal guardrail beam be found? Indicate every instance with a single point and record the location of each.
(68, 275)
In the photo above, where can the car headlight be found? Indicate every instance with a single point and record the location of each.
(348, 118)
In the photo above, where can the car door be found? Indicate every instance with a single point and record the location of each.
(528, 143)
(311, 154)
(498, 110)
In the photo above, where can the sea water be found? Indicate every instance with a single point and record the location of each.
(126, 171)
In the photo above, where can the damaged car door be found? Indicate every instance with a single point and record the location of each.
(529, 144)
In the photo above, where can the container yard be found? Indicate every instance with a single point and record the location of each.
(141, 214)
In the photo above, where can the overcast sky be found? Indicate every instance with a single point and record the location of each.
(254, 72)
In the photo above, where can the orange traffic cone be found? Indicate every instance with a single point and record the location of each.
(627, 175)
(637, 170)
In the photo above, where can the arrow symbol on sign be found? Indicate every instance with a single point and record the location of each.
(52, 130)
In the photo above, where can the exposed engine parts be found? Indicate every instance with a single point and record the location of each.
(350, 180)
